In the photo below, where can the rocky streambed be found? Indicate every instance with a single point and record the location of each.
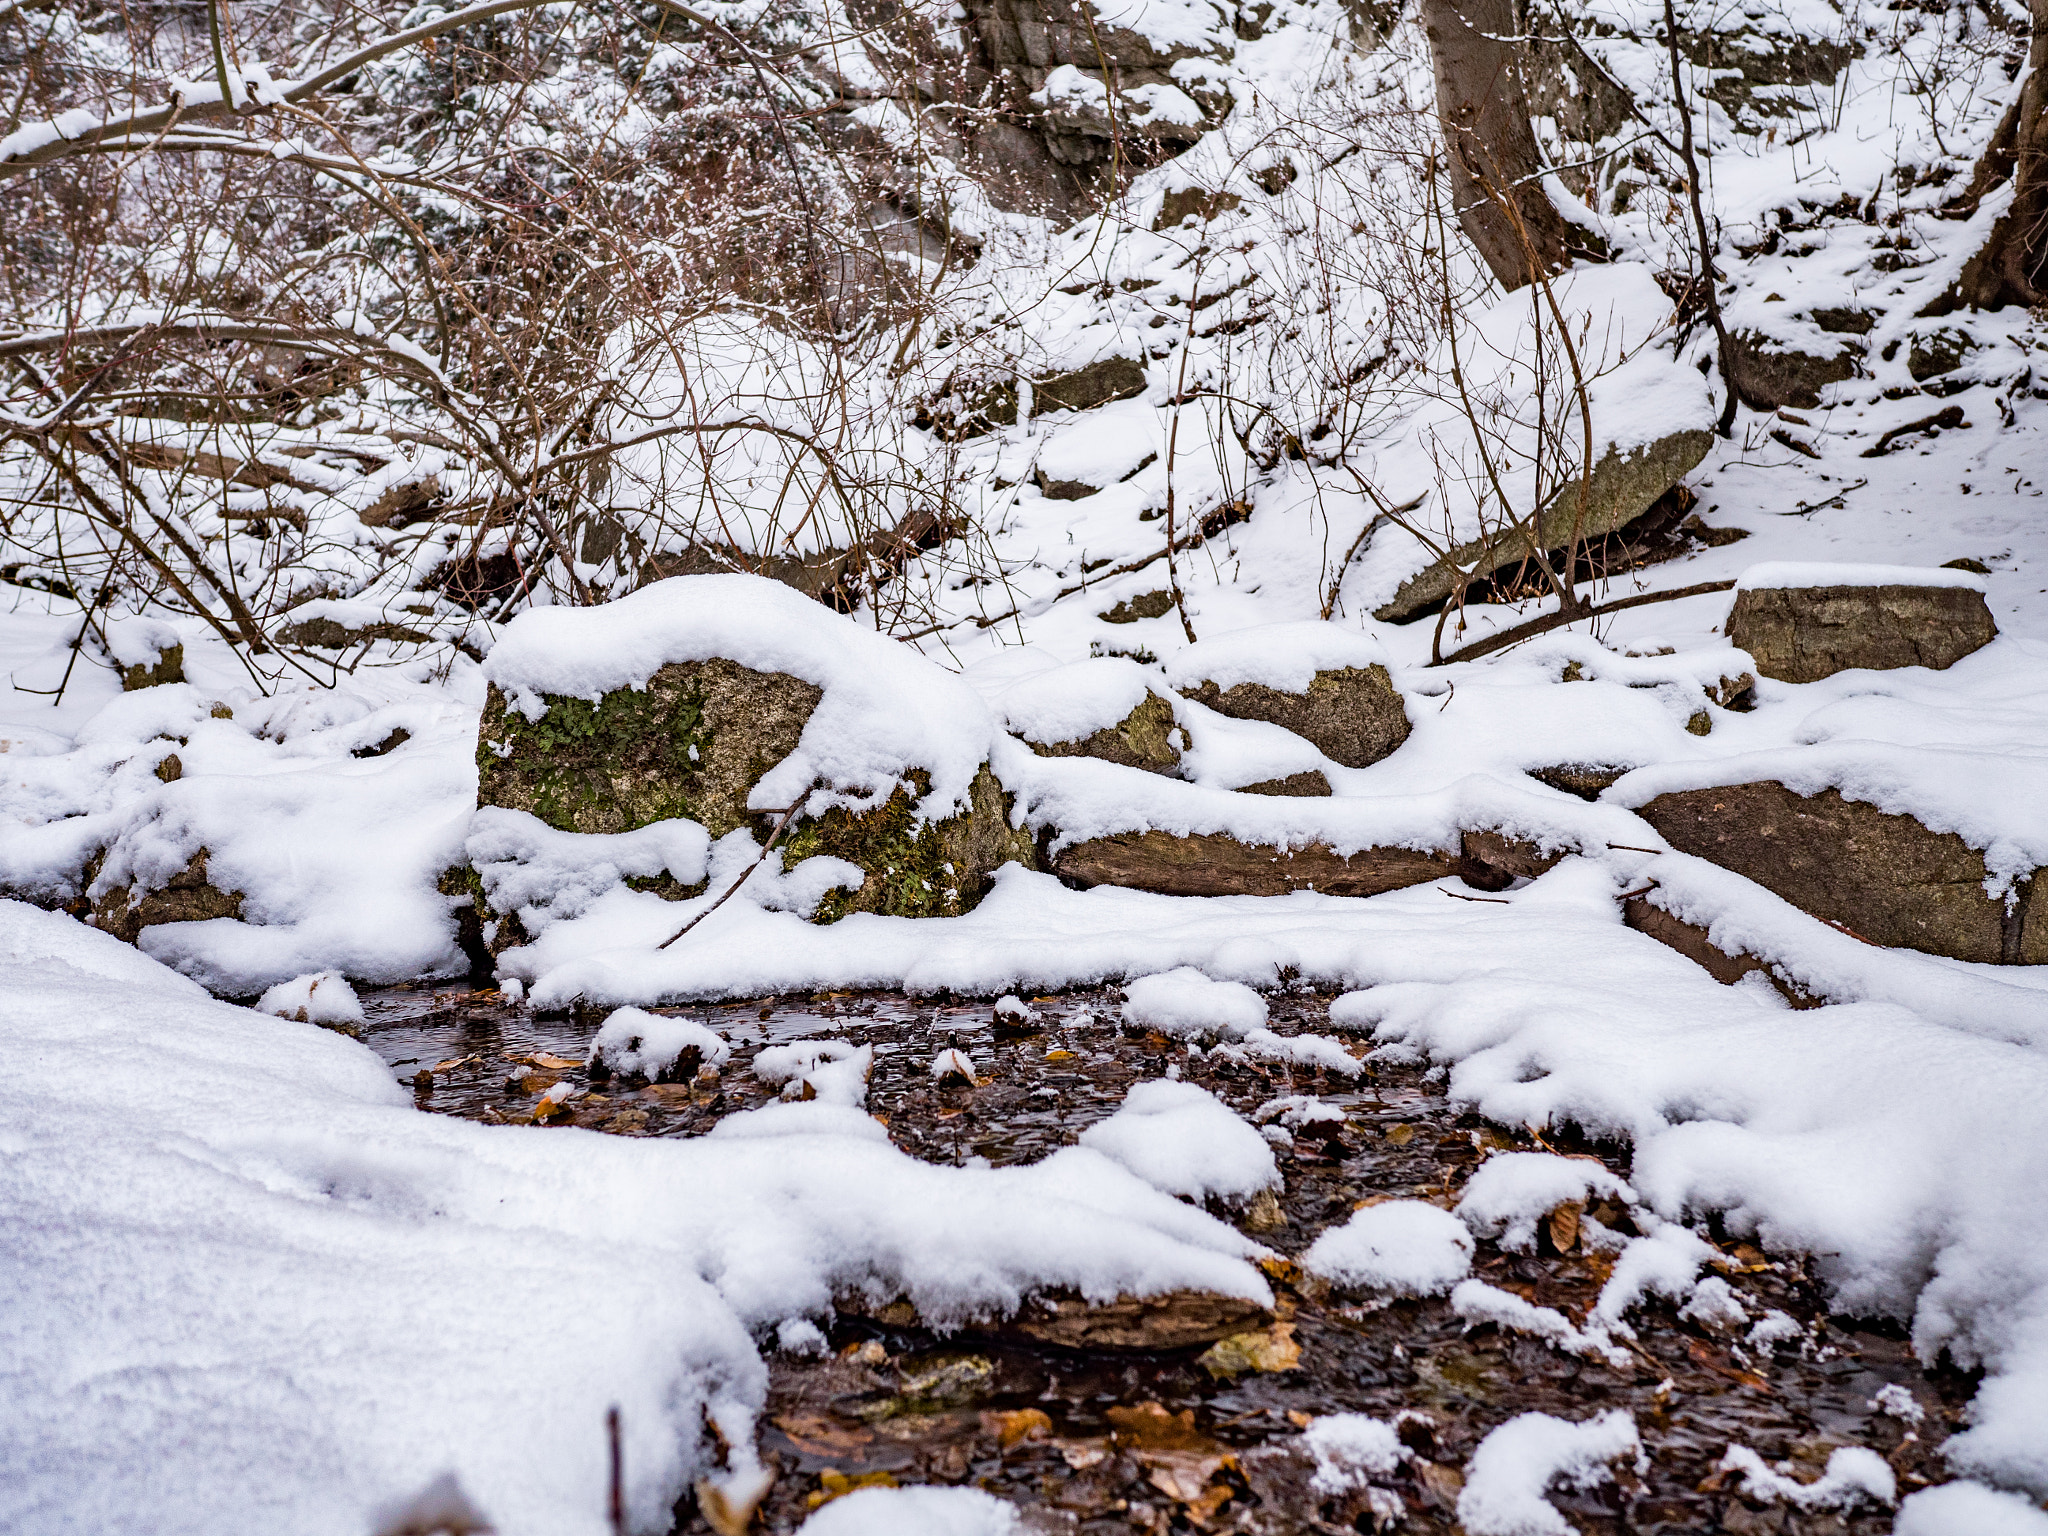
(1160, 1435)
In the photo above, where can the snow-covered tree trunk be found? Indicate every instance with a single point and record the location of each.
(2012, 265)
(1496, 169)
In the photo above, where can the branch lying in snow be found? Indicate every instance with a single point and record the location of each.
(1549, 621)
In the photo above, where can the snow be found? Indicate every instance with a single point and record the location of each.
(1182, 1139)
(1073, 702)
(140, 641)
(1969, 1509)
(1854, 1474)
(914, 1512)
(1516, 1464)
(636, 1043)
(1408, 1247)
(252, 1289)
(1186, 1004)
(1513, 1191)
(1285, 657)
(1789, 573)
(320, 998)
(1350, 1449)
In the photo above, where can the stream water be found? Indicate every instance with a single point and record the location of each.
(1159, 1440)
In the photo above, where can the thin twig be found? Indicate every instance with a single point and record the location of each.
(773, 838)
(1548, 621)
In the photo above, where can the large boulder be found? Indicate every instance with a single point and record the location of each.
(1326, 684)
(1805, 622)
(724, 700)
(1885, 878)
(1625, 484)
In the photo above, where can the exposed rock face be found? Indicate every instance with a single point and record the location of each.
(971, 408)
(1212, 864)
(1886, 879)
(1145, 738)
(1146, 605)
(187, 897)
(169, 667)
(1493, 861)
(690, 744)
(1309, 783)
(1352, 715)
(1586, 780)
(694, 742)
(916, 867)
(1800, 634)
(1769, 375)
(325, 634)
(1624, 485)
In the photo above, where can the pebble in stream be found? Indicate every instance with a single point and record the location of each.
(1102, 1442)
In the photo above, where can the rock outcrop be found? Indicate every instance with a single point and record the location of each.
(1214, 864)
(1799, 634)
(189, 896)
(692, 744)
(1145, 738)
(1623, 486)
(1352, 715)
(1883, 878)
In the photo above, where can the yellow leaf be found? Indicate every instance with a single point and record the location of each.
(1018, 1424)
(1269, 1349)
(836, 1485)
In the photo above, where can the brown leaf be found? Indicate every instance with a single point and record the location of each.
(1148, 1426)
(1564, 1225)
(1189, 1478)
(730, 1512)
(1017, 1424)
(553, 1063)
(818, 1434)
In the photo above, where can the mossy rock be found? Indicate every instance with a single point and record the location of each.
(692, 743)
(916, 866)
(169, 667)
(1142, 739)
(189, 896)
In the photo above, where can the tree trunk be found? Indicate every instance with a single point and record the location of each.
(2011, 267)
(1482, 102)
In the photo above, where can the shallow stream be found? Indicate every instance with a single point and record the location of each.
(1171, 1440)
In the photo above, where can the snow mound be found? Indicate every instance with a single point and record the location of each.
(1854, 1473)
(321, 998)
(1073, 702)
(833, 1070)
(1184, 1140)
(1806, 573)
(1405, 1246)
(1286, 657)
(1512, 1192)
(1349, 1449)
(636, 1043)
(1969, 1509)
(1183, 1004)
(1509, 1475)
(914, 1512)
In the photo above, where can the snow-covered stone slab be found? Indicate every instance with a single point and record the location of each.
(1803, 622)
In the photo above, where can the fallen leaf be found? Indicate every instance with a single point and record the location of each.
(1708, 1358)
(837, 1485)
(819, 1434)
(1268, 1349)
(1016, 1424)
(1083, 1454)
(1564, 1225)
(1400, 1135)
(1299, 1419)
(729, 1511)
(1148, 1426)
(1280, 1269)
(554, 1063)
(1059, 1055)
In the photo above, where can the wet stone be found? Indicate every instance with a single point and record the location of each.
(1095, 1440)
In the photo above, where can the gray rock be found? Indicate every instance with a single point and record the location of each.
(189, 896)
(169, 667)
(1352, 715)
(1800, 634)
(1213, 864)
(1883, 878)
(1769, 375)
